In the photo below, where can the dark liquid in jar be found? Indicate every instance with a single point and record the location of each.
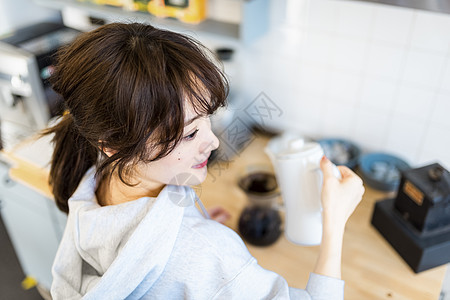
(259, 225)
(259, 183)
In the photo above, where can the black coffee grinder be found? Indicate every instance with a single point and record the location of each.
(417, 222)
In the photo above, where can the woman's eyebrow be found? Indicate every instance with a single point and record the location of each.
(192, 120)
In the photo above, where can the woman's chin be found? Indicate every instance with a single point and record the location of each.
(200, 175)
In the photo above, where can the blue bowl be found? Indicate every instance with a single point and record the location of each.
(341, 152)
(382, 171)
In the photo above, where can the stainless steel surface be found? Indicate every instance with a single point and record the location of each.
(440, 6)
(27, 101)
(23, 107)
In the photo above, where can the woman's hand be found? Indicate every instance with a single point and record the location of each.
(339, 196)
(219, 214)
(339, 199)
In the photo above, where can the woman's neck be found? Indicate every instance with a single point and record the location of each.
(112, 190)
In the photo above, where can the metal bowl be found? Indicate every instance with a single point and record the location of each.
(382, 171)
(341, 151)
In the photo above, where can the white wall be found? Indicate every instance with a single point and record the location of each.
(378, 75)
(375, 74)
(19, 13)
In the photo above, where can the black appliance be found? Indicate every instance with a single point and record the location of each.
(417, 222)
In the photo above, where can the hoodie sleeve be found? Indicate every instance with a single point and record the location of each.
(255, 282)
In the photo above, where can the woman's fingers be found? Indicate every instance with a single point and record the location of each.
(346, 172)
(340, 197)
(327, 167)
(219, 214)
(222, 218)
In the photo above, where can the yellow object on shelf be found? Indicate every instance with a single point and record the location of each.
(118, 3)
(29, 283)
(189, 11)
(139, 5)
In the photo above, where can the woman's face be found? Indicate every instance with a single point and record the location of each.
(186, 164)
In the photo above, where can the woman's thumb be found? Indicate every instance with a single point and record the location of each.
(327, 167)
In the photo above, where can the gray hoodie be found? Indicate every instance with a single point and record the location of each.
(152, 248)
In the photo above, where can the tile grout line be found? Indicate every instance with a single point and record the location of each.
(363, 72)
(399, 81)
(434, 100)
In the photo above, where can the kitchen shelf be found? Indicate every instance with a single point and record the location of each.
(254, 18)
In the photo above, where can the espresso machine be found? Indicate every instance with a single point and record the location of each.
(27, 101)
(417, 222)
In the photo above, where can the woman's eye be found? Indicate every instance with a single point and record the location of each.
(191, 136)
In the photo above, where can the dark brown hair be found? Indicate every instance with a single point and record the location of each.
(125, 87)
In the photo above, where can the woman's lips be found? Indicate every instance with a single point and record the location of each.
(199, 166)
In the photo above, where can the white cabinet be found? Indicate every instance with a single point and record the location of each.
(34, 224)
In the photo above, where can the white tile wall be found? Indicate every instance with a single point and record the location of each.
(376, 74)
(312, 79)
(348, 54)
(435, 144)
(441, 110)
(323, 15)
(392, 24)
(371, 128)
(431, 32)
(423, 68)
(338, 119)
(445, 82)
(385, 60)
(354, 19)
(414, 102)
(316, 48)
(344, 87)
(404, 136)
(378, 93)
(303, 114)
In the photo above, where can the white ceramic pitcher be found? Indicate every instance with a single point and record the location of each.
(297, 168)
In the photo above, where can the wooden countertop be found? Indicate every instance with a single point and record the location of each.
(371, 268)
(26, 171)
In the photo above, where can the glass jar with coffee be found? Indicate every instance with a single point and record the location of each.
(260, 222)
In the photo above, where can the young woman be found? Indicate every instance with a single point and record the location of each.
(138, 101)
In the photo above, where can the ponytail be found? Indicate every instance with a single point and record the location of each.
(73, 155)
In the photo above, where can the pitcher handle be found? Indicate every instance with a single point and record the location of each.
(318, 170)
(319, 175)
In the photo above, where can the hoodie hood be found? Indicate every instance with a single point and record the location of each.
(105, 250)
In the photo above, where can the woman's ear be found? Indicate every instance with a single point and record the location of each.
(108, 151)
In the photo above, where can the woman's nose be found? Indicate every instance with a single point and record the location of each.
(211, 143)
